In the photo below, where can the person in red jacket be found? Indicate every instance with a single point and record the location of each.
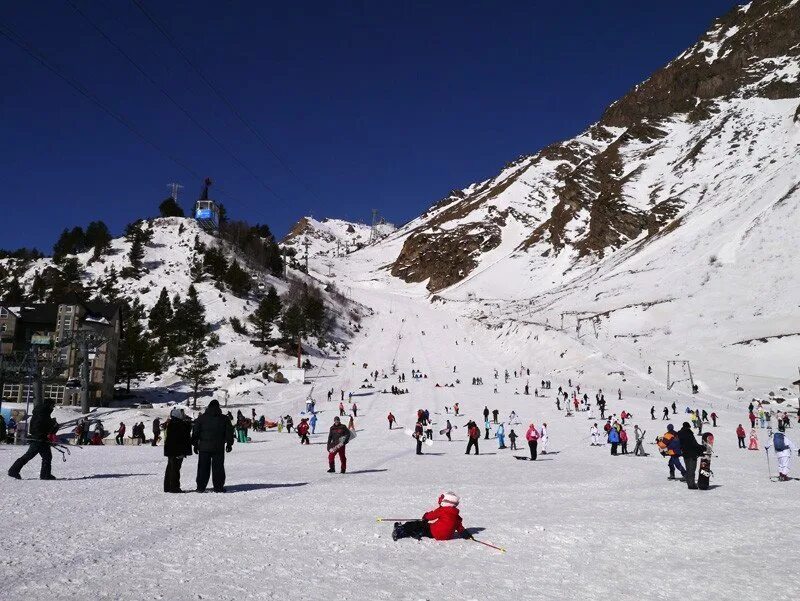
(302, 431)
(391, 419)
(740, 433)
(441, 523)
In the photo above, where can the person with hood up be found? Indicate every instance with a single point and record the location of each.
(691, 451)
(753, 444)
(532, 436)
(177, 446)
(440, 524)
(40, 425)
(338, 437)
(212, 437)
(302, 431)
(501, 436)
(613, 439)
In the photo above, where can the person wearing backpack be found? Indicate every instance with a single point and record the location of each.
(784, 447)
(691, 450)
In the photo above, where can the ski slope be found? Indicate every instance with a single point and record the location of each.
(577, 524)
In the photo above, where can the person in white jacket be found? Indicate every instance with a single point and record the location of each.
(784, 455)
(595, 433)
(543, 438)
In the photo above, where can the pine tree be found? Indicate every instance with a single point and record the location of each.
(189, 322)
(68, 281)
(70, 242)
(136, 355)
(160, 319)
(267, 312)
(170, 208)
(238, 279)
(13, 293)
(108, 287)
(293, 325)
(38, 288)
(196, 368)
(98, 237)
(135, 256)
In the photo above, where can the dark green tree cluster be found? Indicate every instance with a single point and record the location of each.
(136, 350)
(175, 324)
(24, 254)
(304, 315)
(266, 314)
(138, 235)
(66, 282)
(74, 241)
(170, 208)
(216, 265)
(255, 242)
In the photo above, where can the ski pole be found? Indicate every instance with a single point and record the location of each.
(501, 549)
(397, 519)
(769, 469)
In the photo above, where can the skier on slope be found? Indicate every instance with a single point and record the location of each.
(594, 432)
(784, 447)
(441, 523)
(419, 435)
(532, 436)
(670, 446)
(338, 437)
(474, 435)
(447, 430)
(302, 431)
(391, 419)
(501, 436)
(740, 434)
(544, 438)
(512, 436)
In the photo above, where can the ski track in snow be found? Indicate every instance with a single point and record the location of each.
(578, 524)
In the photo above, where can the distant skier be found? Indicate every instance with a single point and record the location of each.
(474, 435)
(156, 431)
(486, 427)
(441, 523)
(784, 447)
(652, 412)
(313, 423)
(666, 414)
(670, 446)
(532, 436)
(495, 414)
(501, 436)
(302, 431)
(512, 436)
(594, 432)
(338, 437)
(120, 434)
(544, 438)
(447, 430)
(613, 439)
(740, 434)
(391, 420)
(713, 419)
(753, 444)
(486, 414)
(355, 410)
(341, 409)
(419, 435)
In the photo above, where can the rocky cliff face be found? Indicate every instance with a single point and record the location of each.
(655, 154)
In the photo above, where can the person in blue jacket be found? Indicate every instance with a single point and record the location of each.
(613, 438)
(501, 436)
(313, 422)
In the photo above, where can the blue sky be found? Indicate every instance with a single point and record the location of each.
(386, 105)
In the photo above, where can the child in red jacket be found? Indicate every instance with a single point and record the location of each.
(441, 523)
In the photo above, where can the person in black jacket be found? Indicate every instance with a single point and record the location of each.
(338, 437)
(691, 450)
(178, 444)
(39, 426)
(156, 431)
(212, 435)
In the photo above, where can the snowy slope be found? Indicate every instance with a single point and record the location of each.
(168, 259)
(332, 237)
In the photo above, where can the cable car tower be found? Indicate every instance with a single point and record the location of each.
(206, 211)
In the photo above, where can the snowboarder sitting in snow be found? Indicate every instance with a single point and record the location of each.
(441, 523)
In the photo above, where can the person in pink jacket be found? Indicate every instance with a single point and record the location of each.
(532, 436)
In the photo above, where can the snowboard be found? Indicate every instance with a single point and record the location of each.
(425, 440)
(705, 474)
(443, 432)
(342, 442)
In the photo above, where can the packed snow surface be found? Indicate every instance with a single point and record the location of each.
(576, 524)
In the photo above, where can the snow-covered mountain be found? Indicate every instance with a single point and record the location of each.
(169, 258)
(664, 230)
(716, 126)
(332, 237)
